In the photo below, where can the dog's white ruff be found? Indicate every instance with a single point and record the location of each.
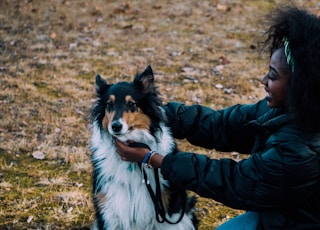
(128, 205)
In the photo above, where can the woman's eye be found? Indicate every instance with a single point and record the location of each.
(272, 76)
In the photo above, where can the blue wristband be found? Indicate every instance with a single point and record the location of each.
(147, 156)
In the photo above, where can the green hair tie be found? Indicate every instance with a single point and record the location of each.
(287, 52)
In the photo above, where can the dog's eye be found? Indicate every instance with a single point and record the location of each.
(109, 105)
(131, 106)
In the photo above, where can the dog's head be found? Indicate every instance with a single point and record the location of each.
(124, 107)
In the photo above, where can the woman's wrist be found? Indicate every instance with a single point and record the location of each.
(156, 160)
(152, 159)
(147, 157)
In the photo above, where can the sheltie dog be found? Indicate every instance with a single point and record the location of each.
(126, 195)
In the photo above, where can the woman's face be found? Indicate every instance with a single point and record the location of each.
(277, 79)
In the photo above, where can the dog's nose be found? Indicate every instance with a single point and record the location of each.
(116, 126)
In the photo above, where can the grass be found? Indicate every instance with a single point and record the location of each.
(50, 52)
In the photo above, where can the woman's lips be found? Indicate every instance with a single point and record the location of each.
(268, 98)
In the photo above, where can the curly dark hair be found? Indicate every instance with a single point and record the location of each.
(302, 30)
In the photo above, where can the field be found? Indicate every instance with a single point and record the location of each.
(202, 52)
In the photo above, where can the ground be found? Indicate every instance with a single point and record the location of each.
(201, 52)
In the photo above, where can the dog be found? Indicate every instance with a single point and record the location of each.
(126, 195)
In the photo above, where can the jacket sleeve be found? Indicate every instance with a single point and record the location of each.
(222, 180)
(271, 179)
(224, 130)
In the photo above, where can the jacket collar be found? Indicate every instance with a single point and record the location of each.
(271, 120)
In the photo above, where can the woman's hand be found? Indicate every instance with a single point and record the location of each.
(133, 154)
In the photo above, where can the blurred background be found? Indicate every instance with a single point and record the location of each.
(203, 52)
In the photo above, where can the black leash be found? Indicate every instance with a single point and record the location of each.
(156, 197)
(157, 200)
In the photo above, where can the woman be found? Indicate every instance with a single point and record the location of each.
(279, 184)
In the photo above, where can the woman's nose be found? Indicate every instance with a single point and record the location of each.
(263, 79)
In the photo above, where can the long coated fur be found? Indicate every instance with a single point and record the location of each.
(132, 111)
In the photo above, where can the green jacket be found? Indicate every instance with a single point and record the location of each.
(281, 177)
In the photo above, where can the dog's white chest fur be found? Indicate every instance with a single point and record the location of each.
(123, 198)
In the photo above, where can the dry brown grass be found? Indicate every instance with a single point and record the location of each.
(49, 54)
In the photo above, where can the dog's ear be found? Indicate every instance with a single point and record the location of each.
(145, 80)
(101, 85)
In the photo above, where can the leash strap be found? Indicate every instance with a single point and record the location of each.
(156, 197)
(157, 200)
